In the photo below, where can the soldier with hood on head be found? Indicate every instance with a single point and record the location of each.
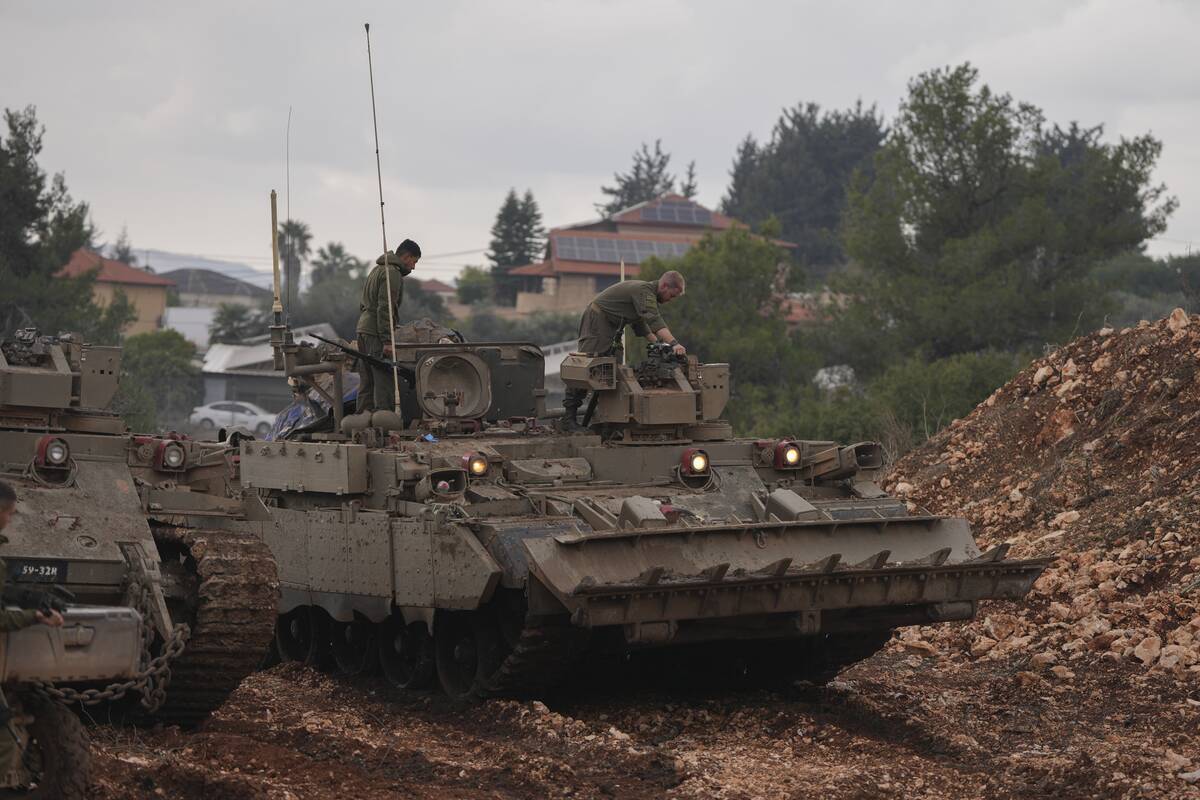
(375, 387)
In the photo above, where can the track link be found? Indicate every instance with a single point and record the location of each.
(231, 612)
(540, 659)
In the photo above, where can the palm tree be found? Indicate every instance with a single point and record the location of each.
(294, 248)
(333, 261)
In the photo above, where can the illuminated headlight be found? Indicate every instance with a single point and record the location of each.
(57, 452)
(173, 456)
(476, 464)
(53, 452)
(694, 462)
(787, 455)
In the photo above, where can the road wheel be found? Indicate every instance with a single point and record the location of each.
(58, 751)
(353, 645)
(302, 635)
(207, 424)
(406, 654)
(468, 652)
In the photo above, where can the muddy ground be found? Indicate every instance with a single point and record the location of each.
(897, 725)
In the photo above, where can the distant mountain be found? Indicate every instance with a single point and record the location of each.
(164, 261)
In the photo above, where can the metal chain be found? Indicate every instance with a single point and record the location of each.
(150, 681)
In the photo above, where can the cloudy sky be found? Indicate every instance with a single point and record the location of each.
(170, 118)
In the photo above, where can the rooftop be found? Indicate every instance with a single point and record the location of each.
(110, 271)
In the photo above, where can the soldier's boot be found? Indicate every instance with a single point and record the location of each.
(569, 422)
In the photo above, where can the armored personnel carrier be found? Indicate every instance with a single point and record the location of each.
(464, 542)
(96, 515)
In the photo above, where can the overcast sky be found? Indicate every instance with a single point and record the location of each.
(170, 118)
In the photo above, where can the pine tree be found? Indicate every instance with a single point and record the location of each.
(122, 250)
(689, 186)
(646, 180)
(518, 238)
(744, 164)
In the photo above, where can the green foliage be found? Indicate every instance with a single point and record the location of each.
(122, 249)
(800, 177)
(295, 245)
(647, 179)
(518, 237)
(474, 285)
(234, 323)
(731, 313)
(540, 328)
(689, 187)
(981, 226)
(40, 227)
(160, 381)
(333, 261)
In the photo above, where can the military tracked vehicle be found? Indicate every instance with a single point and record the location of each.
(466, 543)
(95, 514)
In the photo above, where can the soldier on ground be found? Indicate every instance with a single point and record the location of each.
(626, 303)
(13, 619)
(375, 388)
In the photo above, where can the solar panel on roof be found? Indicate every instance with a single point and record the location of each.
(677, 212)
(612, 251)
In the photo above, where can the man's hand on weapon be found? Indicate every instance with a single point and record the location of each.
(679, 349)
(52, 618)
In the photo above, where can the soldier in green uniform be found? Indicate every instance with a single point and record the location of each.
(13, 619)
(375, 388)
(626, 303)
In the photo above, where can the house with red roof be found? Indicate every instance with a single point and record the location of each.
(582, 260)
(147, 291)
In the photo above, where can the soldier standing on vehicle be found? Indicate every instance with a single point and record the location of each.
(626, 303)
(14, 620)
(375, 389)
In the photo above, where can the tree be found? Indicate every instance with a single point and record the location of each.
(647, 179)
(731, 313)
(333, 261)
(689, 187)
(981, 226)
(474, 285)
(40, 227)
(518, 238)
(294, 248)
(541, 328)
(234, 323)
(160, 366)
(122, 249)
(800, 177)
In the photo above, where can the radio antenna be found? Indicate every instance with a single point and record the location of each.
(387, 271)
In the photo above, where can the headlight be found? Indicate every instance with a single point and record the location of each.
(52, 452)
(694, 462)
(172, 456)
(787, 455)
(476, 464)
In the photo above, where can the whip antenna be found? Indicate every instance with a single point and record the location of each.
(387, 272)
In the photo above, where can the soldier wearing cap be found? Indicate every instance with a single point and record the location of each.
(13, 619)
(375, 387)
(626, 303)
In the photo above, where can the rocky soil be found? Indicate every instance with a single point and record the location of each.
(1089, 689)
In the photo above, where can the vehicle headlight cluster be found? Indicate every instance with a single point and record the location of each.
(52, 452)
(694, 462)
(787, 455)
(476, 464)
(171, 456)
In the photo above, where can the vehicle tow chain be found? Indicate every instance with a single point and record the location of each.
(151, 679)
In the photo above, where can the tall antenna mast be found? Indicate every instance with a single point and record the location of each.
(387, 271)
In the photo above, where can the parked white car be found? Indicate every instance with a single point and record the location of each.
(231, 413)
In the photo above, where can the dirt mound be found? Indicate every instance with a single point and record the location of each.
(1092, 455)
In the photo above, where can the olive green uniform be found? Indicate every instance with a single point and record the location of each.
(375, 386)
(626, 303)
(11, 619)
